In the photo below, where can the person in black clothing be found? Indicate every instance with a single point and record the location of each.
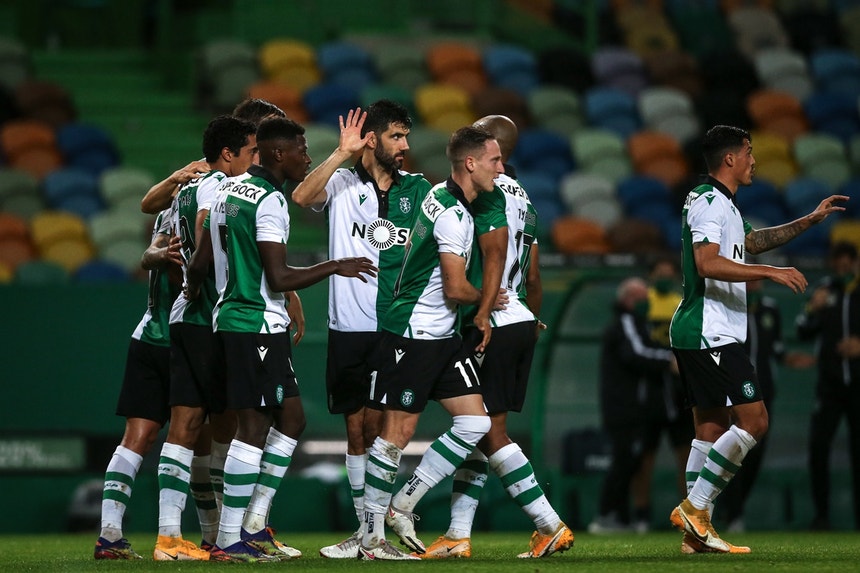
(631, 368)
(765, 348)
(832, 317)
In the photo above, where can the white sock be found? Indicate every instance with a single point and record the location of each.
(217, 458)
(695, 462)
(277, 455)
(204, 498)
(518, 479)
(355, 468)
(174, 477)
(442, 458)
(469, 480)
(383, 460)
(240, 474)
(724, 461)
(119, 482)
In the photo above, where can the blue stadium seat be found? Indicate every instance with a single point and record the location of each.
(100, 271)
(511, 67)
(325, 102)
(833, 113)
(544, 151)
(612, 109)
(836, 71)
(642, 189)
(60, 186)
(87, 147)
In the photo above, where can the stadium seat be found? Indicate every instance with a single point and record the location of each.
(45, 101)
(286, 97)
(642, 189)
(755, 29)
(675, 69)
(402, 64)
(97, 271)
(822, 156)
(572, 235)
(15, 244)
(846, 230)
(836, 71)
(784, 70)
(224, 71)
(619, 68)
(833, 113)
(444, 107)
(427, 152)
(774, 161)
(124, 182)
(326, 102)
(87, 147)
(544, 151)
(556, 108)
(511, 67)
(68, 253)
(670, 111)
(612, 109)
(50, 226)
(19, 193)
(322, 139)
(346, 63)
(61, 185)
(578, 188)
(601, 152)
(777, 112)
(502, 101)
(702, 30)
(112, 225)
(376, 92)
(658, 155)
(41, 273)
(635, 236)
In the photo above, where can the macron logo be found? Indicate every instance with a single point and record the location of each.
(398, 354)
(262, 351)
(716, 357)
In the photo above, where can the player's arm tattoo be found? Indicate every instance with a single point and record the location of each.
(762, 240)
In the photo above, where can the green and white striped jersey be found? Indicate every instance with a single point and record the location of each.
(154, 326)
(363, 223)
(195, 196)
(712, 313)
(248, 210)
(444, 225)
(507, 206)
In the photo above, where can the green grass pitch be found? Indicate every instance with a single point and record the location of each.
(492, 553)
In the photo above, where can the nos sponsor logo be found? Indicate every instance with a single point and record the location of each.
(382, 234)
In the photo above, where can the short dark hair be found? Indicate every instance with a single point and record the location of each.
(255, 110)
(719, 140)
(843, 249)
(465, 141)
(382, 113)
(226, 131)
(279, 128)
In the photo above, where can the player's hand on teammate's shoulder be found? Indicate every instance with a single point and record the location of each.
(356, 267)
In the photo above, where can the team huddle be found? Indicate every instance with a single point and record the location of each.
(434, 294)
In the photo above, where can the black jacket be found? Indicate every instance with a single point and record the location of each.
(839, 319)
(764, 342)
(631, 367)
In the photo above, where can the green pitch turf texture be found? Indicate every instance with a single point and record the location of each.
(491, 553)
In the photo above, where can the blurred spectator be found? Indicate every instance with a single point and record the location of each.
(631, 368)
(832, 318)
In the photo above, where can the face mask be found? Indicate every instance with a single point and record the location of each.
(664, 285)
(640, 309)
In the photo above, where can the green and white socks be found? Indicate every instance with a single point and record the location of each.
(119, 482)
(721, 464)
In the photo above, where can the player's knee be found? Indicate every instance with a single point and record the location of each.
(471, 428)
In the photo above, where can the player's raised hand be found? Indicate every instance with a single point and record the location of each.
(827, 207)
(350, 131)
(356, 267)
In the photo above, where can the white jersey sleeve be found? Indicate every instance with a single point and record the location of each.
(452, 235)
(705, 224)
(273, 220)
